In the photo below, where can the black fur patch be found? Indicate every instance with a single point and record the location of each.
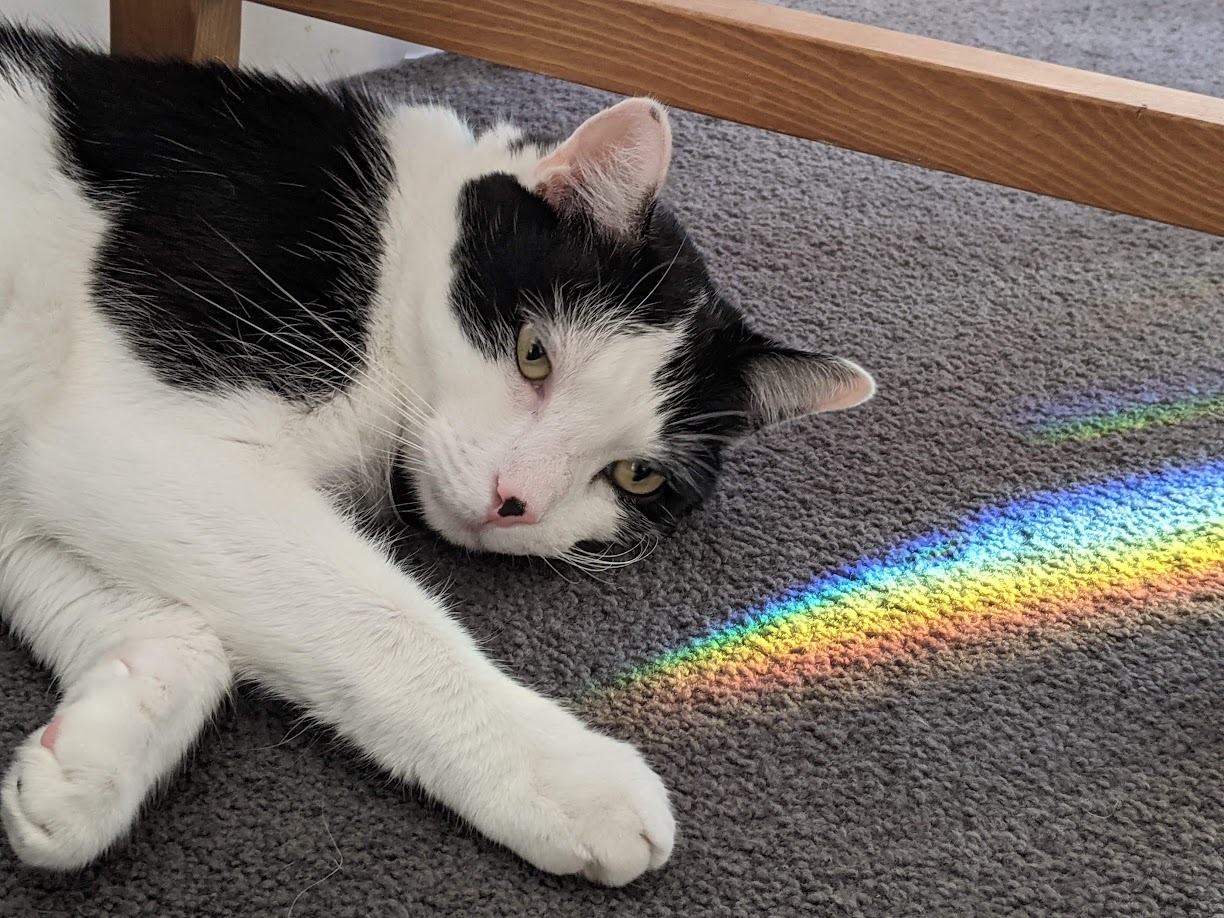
(245, 213)
(515, 253)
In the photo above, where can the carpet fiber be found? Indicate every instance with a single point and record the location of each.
(958, 652)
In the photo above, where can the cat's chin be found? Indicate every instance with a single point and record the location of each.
(495, 541)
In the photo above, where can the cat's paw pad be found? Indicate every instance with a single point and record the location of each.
(601, 811)
(75, 786)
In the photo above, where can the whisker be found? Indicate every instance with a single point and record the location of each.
(709, 416)
(396, 437)
(412, 411)
(557, 571)
(656, 287)
(291, 298)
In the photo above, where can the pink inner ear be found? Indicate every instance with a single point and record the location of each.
(612, 164)
(854, 390)
(556, 181)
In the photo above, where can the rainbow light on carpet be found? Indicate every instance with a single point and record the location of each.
(1097, 414)
(1054, 557)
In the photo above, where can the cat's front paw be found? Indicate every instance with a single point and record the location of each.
(75, 786)
(57, 814)
(594, 807)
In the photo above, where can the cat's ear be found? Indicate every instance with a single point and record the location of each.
(784, 383)
(611, 168)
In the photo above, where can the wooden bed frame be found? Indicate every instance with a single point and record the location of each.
(1112, 143)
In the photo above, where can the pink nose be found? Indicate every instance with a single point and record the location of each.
(508, 509)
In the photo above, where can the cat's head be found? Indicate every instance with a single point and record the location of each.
(595, 375)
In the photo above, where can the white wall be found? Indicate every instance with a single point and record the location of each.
(271, 39)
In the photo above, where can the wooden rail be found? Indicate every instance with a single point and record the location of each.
(1099, 140)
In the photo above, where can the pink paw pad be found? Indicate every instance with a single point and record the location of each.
(51, 734)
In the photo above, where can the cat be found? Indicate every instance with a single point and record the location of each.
(237, 312)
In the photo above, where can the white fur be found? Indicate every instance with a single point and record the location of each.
(155, 544)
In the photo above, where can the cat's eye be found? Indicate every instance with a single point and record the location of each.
(634, 477)
(533, 360)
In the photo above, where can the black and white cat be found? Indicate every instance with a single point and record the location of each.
(234, 308)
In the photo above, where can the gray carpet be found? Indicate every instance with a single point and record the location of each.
(994, 703)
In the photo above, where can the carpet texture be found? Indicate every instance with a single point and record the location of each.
(959, 652)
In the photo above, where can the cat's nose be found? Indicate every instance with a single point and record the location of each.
(512, 506)
(509, 509)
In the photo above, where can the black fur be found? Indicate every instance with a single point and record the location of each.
(515, 252)
(245, 213)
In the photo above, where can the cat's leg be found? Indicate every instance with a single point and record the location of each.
(324, 618)
(140, 677)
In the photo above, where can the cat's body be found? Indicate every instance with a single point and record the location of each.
(230, 310)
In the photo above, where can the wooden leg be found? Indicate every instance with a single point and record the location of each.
(194, 30)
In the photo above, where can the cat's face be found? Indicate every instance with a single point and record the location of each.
(600, 374)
